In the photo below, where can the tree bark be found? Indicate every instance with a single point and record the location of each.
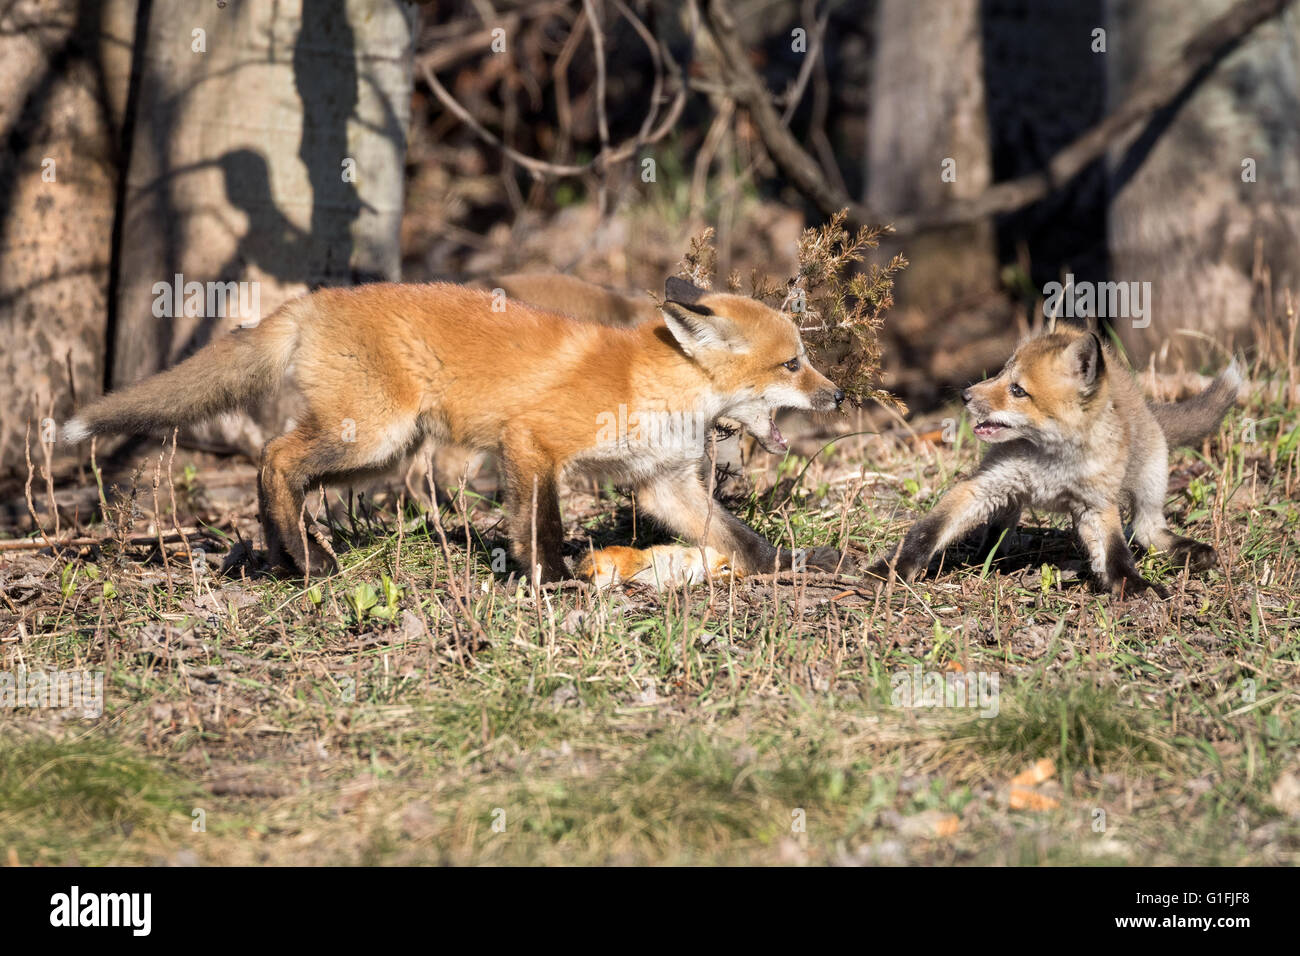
(267, 149)
(58, 163)
(1181, 216)
(928, 109)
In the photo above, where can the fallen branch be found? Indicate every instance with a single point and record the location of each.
(33, 544)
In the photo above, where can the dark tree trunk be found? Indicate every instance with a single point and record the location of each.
(1181, 217)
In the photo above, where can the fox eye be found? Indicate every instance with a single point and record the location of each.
(792, 365)
(1017, 391)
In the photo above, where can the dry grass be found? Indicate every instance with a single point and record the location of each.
(396, 712)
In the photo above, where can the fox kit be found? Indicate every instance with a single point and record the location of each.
(550, 292)
(380, 368)
(1070, 432)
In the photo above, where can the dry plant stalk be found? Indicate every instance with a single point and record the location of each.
(839, 310)
(701, 261)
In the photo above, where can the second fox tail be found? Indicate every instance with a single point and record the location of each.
(1188, 421)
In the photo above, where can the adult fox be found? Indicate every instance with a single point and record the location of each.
(380, 368)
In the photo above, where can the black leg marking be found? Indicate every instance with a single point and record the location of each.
(913, 555)
(1191, 554)
(1122, 576)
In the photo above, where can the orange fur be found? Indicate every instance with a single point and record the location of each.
(662, 566)
(576, 297)
(381, 368)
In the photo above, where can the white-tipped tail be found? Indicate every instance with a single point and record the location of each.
(75, 430)
(1191, 420)
(1232, 376)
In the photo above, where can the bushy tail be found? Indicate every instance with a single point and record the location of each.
(224, 374)
(1188, 421)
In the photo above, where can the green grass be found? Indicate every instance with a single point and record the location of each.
(84, 796)
(396, 712)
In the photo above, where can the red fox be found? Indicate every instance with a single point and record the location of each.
(550, 292)
(380, 368)
(555, 292)
(1070, 432)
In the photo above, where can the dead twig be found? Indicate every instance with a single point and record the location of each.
(85, 541)
(1199, 54)
(27, 487)
(603, 160)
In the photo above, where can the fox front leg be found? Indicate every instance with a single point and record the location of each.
(682, 503)
(967, 505)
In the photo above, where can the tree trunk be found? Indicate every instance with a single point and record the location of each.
(59, 167)
(928, 144)
(927, 108)
(268, 149)
(1181, 216)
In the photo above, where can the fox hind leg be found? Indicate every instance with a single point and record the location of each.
(280, 491)
(528, 481)
(309, 455)
(1150, 529)
(1111, 560)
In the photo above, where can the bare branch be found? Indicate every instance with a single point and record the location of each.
(607, 156)
(1199, 54)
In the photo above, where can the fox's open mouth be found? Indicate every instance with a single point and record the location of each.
(765, 431)
(775, 440)
(990, 427)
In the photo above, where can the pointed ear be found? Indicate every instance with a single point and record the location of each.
(699, 331)
(683, 292)
(1087, 360)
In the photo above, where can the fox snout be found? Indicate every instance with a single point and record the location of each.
(824, 395)
(828, 399)
(977, 406)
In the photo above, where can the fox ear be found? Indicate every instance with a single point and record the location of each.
(683, 292)
(1087, 360)
(698, 331)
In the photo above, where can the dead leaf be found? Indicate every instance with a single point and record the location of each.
(930, 824)
(1021, 798)
(1041, 770)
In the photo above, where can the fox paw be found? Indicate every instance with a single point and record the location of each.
(1193, 555)
(877, 572)
(824, 558)
(321, 562)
